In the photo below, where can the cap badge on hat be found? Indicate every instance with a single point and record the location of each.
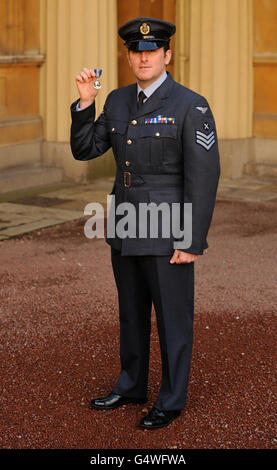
(145, 28)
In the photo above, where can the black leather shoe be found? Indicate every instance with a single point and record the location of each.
(112, 401)
(158, 418)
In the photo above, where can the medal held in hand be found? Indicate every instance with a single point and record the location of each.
(97, 84)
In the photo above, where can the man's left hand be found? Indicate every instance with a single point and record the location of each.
(180, 257)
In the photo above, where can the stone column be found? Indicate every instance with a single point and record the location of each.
(217, 63)
(73, 34)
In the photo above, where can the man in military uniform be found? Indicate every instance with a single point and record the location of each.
(163, 136)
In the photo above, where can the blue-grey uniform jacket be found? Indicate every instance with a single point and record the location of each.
(166, 151)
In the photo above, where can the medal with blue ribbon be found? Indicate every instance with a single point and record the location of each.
(97, 84)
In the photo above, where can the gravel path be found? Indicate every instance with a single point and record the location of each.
(60, 341)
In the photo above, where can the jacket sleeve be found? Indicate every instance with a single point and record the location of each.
(201, 170)
(88, 138)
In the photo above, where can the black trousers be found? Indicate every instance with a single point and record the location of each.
(140, 281)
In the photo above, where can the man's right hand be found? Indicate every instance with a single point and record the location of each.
(87, 92)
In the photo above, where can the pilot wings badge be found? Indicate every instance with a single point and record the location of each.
(203, 110)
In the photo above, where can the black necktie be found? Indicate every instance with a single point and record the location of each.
(142, 96)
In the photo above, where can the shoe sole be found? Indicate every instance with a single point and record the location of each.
(144, 426)
(100, 407)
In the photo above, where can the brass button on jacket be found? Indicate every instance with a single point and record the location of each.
(129, 141)
(134, 122)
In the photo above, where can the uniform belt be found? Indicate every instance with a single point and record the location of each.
(127, 179)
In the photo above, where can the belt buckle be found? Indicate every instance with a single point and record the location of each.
(124, 179)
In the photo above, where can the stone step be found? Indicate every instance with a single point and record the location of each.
(29, 177)
(261, 170)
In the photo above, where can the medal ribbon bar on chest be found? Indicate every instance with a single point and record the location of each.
(159, 120)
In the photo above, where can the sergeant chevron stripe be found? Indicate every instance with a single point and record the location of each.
(206, 140)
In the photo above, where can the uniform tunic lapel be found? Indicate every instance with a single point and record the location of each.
(156, 101)
(132, 99)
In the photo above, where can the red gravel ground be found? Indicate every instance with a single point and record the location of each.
(60, 341)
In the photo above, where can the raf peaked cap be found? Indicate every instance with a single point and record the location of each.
(146, 34)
